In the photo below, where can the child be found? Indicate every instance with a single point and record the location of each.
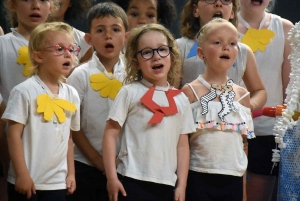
(14, 60)
(1, 31)
(274, 69)
(153, 119)
(97, 82)
(74, 9)
(4, 158)
(40, 113)
(223, 119)
(141, 12)
(195, 15)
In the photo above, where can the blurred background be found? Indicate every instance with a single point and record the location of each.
(288, 9)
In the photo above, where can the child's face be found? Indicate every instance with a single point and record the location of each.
(107, 35)
(54, 58)
(207, 11)
(31, 13)
(141, 12)
(255, 5)
(155, 69)
(219, 49)
(63, 7)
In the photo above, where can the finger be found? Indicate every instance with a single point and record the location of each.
(123, 190)
(33, 189)
(115, 197)
(29, 194)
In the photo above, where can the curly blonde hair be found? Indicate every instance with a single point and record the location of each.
(12, 16)
(189, 25)
(133, 73)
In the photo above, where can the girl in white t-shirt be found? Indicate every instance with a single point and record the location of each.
(40, 113)
(72, 10)
(222, 117)
(153, 119)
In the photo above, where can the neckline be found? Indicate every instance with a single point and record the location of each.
(158, 88)
(101, 67)
(44, 86)
(246, 24)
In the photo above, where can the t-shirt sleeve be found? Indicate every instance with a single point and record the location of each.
(75, 121)
(1, 99)
(17, 108)
(120, 107)
(78, 80)
(187, 123)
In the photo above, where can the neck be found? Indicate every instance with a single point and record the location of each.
(108, 63)
(51, 81)
(215, 78)
(59, 19)
(253, 19)
(24, 31)
(159, 83)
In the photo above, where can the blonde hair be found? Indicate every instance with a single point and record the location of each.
(39, 35)
(205, 30)
(189, 25)
(133, 73)
(13, 18)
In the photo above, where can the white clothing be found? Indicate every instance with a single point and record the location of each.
(217, 147)
(94, 108)
(11, 73)
(45, 144)
(149, 152)
(79, 40)
(1, 99)
(194, 66)
(269, 64)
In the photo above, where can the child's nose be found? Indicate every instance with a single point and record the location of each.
(108, 35)
(35, 4)
(218, 3)
(142, 20)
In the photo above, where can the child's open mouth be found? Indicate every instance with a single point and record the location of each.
(109, 46)
(35, 15)
(224, 57)
(158, 67)
(67, 64)
(218, 15)
(257, 1)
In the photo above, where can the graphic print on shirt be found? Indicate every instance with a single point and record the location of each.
(226, 98)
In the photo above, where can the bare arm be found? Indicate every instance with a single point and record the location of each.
(111, 132)
(24, 183)
(88, 150)
(183, 159)
(2, 123)
(71, 184)
(1, 31)
(254, 83)
(286, 65)
(87, 56)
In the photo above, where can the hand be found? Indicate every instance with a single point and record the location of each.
(71, 184)
(25, 185)
(113, 188)
(179, 194)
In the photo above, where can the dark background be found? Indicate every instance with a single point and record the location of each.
(288, 9)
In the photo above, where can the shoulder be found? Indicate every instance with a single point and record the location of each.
(287, 25)
(240, 92)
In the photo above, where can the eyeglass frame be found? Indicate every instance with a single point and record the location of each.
(65, 49)
(216, 1)
(155, 50)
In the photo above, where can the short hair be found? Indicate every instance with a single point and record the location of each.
(133, 74)
(38, 37)
(166, 10)
(205, 30)
(77, 10)
(12, 16)
(189, 25)
(102, 10)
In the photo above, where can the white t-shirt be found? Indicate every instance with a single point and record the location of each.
(1, 99)
(149, 152)
(79, 40)
(45, 143)
(11, 73)
(94, 108)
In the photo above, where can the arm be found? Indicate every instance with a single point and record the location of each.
(88, 150)
(245, 142)
(70, 180)
(1, 31)
(254, 83)
(189, 93)
(24, 183)
(286, 65)
(87, 56)
(183, 159)
(111, 132)
(2, 123)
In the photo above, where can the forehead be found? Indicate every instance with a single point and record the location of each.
(107, 20)
(151, 38)
(58, 36)
(142, 3)
(220, 29)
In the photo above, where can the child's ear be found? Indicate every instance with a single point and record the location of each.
(127, 34)
(195, 11)
(231, 15)
(200, 53)
(88, 38)
(37, 57)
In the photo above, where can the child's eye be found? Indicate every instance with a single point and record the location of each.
(44, 0)
(151, 16)
(217, 42)
(233, 44)
(59, 49)
(116, 30)
(99, 30)
(133, 14)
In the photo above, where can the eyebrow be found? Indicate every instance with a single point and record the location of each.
(100, 25)
(134, 7)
